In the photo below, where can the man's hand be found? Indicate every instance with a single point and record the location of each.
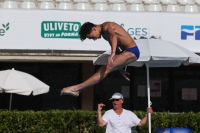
(145, 119)
(149, 110)
(100, 106)
(100, 121)
(124, 73)
(110, 58)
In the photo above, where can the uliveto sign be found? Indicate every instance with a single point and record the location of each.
(60, 29)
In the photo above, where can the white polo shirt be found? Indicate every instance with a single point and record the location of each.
(120, 123)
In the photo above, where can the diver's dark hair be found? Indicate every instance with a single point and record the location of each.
(86, 28)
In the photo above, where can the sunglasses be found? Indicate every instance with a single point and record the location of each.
(115, 100)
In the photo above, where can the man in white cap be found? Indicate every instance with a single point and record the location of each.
(119, 120)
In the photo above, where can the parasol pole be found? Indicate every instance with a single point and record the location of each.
(10, 101)
(148, 94)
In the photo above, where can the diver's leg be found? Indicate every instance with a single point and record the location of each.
(119, 61)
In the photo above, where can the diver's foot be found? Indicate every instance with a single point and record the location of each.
(125, 74)
(69, 91)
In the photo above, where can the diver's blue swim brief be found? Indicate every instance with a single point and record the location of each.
(134, 50)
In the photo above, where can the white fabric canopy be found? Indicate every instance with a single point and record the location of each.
(13, 81)
(157, 53)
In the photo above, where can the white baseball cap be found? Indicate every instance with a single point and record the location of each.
(116, 96)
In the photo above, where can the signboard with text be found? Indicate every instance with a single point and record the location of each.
(59, 30)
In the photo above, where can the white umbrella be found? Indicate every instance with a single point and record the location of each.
(156, 53)
(13, 81)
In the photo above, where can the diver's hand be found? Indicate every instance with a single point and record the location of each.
(110, 58)
(124, 74)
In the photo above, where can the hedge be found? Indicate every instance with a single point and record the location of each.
(79, 121)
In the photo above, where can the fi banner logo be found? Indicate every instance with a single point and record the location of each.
(190, 31)
(4, 29)
(60, 29)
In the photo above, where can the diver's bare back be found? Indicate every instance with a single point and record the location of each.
(123, 38)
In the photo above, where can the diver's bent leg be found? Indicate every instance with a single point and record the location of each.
(119, 61)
